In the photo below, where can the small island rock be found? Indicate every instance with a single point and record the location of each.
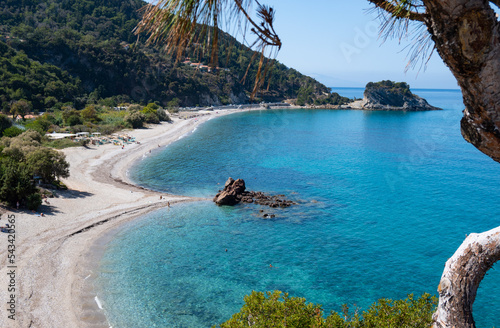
(391, 96)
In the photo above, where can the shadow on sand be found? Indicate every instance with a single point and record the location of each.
(72, 194)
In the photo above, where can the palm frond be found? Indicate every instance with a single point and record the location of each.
(397, 22)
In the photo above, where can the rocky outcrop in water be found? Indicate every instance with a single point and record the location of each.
(388, 95)
(234, 192)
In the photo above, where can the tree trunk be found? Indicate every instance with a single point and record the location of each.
(466, 34)
(461, 277)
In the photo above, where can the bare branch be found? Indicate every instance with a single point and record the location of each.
(461, 278)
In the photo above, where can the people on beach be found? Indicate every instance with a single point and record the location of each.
(17, 204)
(161, 197)
(6, 229)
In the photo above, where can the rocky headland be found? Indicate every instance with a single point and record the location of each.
(234, 192)
(392, 96)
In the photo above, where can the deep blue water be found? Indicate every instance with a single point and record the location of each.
(385, 199)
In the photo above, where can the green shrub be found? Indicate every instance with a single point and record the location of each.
(150, 108)
(162, 115)
(152, 118)
(409, 312)
(135, 108)
(59, 185)
(13, 131)
(110, 128)
(71, 117)
(62, 143)
(15, 181)
(5, 123)
(113, 117)
(90, 114)
(136, 119)
(174, 103)
(33, 201)
(277, 309)
(79, 128)
(74, 120)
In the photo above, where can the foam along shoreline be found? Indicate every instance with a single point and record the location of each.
(53, 253)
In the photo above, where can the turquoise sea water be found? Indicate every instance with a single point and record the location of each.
(385, 199)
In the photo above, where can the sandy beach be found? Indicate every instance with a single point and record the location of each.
(49, 276)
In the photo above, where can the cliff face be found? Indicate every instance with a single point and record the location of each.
(388, 95)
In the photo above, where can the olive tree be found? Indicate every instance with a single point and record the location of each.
(48, 163)
(21, 108)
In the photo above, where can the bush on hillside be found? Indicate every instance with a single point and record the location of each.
(136, 119)
(13, 131)
(162, 115)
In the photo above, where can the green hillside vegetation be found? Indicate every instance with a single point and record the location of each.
(74, 53)
(389, 86)
(310, 95)
(97, 118)
(41, 84)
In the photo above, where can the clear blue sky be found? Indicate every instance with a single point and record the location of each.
(337, 43)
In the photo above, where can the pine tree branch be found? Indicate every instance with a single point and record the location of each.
(399, 12)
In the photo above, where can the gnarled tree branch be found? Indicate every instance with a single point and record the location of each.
(461, 277)
(467, 39)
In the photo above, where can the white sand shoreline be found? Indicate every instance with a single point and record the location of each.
(53, 253)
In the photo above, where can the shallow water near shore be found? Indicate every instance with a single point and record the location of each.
(385, 198)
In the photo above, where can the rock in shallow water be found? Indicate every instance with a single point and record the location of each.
(234, 193)
(229, 195)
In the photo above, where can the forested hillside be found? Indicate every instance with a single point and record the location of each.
(72, 52)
